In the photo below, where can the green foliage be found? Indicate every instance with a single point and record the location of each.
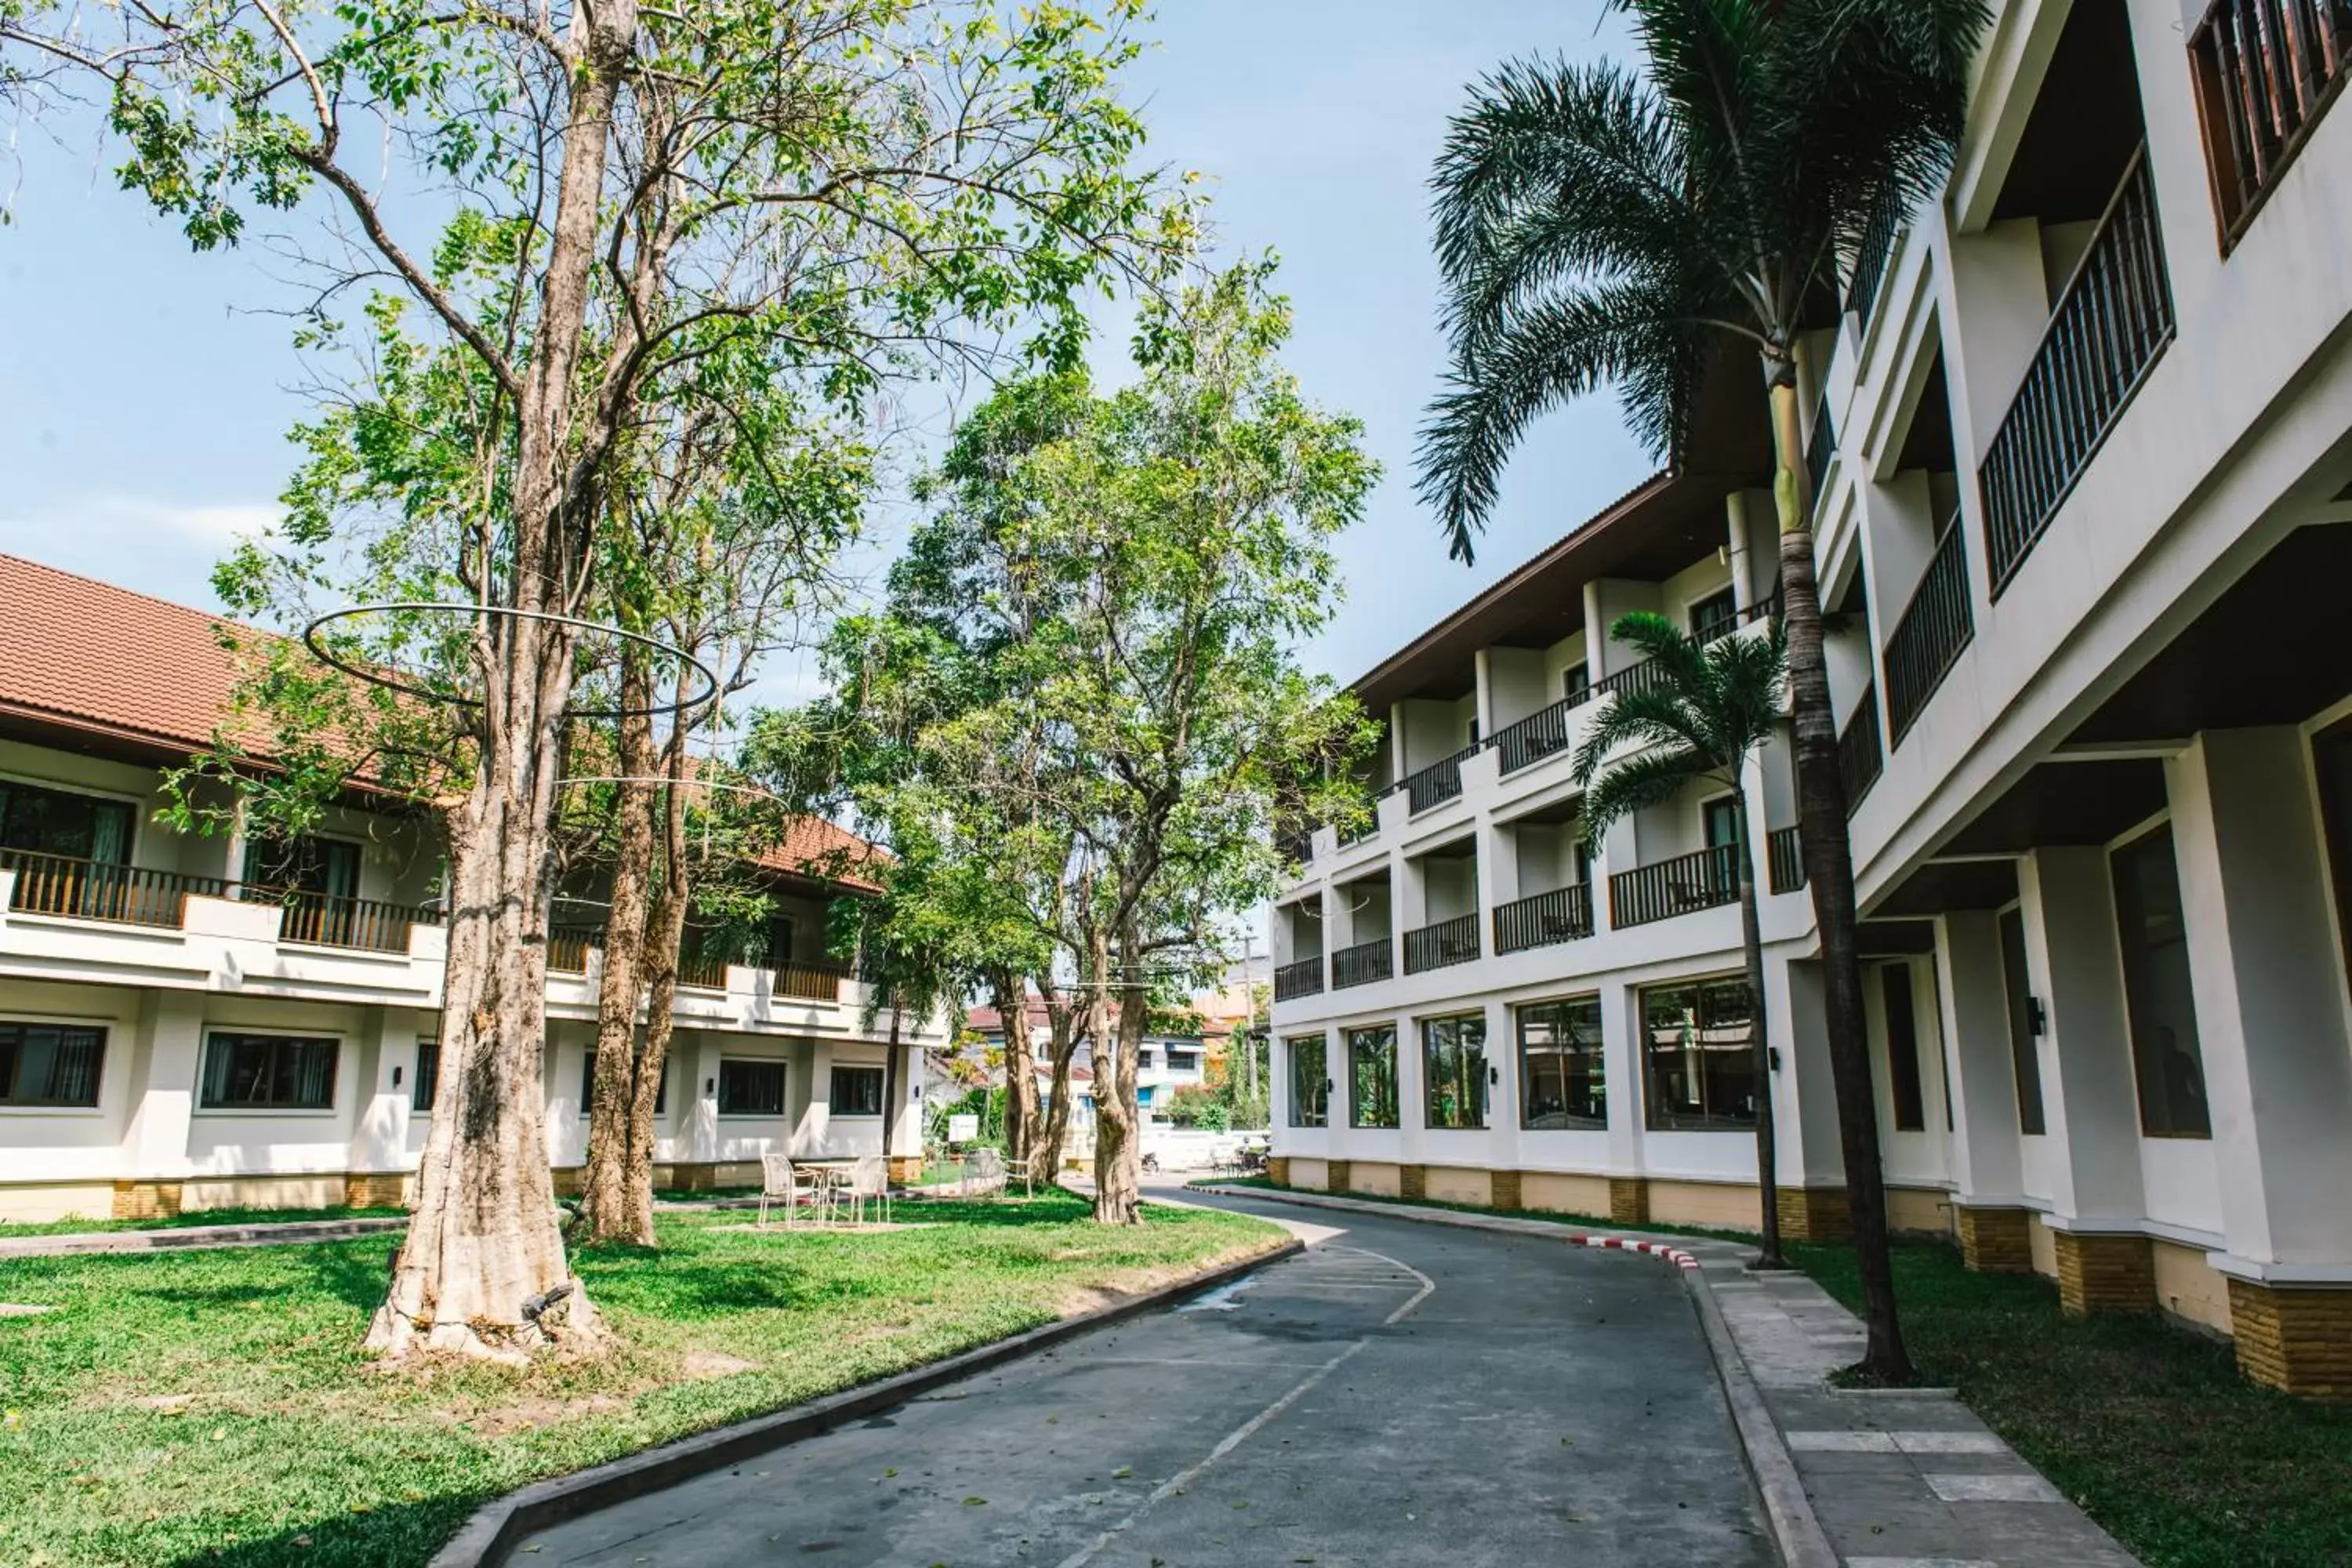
(1198, 1106)
(988, 1104)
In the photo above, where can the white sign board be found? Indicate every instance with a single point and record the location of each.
(964, 1128)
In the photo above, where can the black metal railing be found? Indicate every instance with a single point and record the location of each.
(1819, 447)
(1785, 853)
(1870, 260)
(1930, 633)
(1439, 782)
(1564, 914)
(2265, 70)
(1369, 826)
(2112, 320)
(1862, 756)
(1438, 946)
(1540, 734)
(1295, 847)
(1699, 880)
(1639, 677)
(1304, 978)
(101, 890)
(1363, 963)
(315, 919)
(568, 948)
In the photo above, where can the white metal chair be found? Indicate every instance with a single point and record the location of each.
(780, 1183)
(983, 1172)
(869, 1180)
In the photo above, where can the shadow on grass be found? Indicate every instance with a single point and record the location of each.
(392, 1533)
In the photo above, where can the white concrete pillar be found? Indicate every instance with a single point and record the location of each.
(1620, 1054)
(1972, 996)
(1804, 1093)
(809, 1105)
(166, 1068)
(2269, 985)
(386, 1044)
(2091, 1098)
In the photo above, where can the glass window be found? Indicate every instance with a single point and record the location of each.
(1454, 1070)
(857, 1091)
(270, 1072)
(1699, 1056)
(1902, 1048)
(50, 1064)
(329, 867)
(1373, 1077)
(2154, 938)
(1714, 616)
(1720, 817)
(2025, 1065)
(1561, 1081)
(59, 822)
(588, 1085)
(428, 1075)
(1576, 680)
(1310, 1081)
(750, 1088)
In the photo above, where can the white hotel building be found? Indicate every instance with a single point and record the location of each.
(2081, 438)
(191, 1022)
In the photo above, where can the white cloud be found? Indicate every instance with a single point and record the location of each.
(164, 547)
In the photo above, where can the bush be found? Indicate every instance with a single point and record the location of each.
(1199, 1107)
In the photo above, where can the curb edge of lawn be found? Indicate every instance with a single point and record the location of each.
(1797, 1532)
(499, 1526)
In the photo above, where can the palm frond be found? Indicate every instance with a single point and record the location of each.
(1644, 719)
(1637, 783)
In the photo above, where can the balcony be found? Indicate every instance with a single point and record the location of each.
(1304, 978)
(1441, 945)
(1785, 854)
(1564, 914)
(568, 948)
(1819, 447)
(1930, 633)
(98, 890)
(810, 980)
(2266, 72)
(1438, 782)
(1862, 756)
(1363, 963)
(1539, 735)
(2112, 320)
(315, 919)
(1703, 879)
(1870, 261)
(1297, 847)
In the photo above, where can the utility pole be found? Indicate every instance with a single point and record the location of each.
(1249, 1000)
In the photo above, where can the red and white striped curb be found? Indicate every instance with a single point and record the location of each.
(1674, 1255)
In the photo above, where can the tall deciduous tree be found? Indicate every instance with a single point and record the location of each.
(1597, 225)
(597, 199)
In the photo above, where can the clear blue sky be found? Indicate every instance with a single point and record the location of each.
(145, 391)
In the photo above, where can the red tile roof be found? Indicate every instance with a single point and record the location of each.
(79, 655)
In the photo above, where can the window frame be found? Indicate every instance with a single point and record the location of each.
(2336, 834)
(426, 1079)
(101, 1027)
(588, 1083)
(833, 1105)
(1571, 1122)
(1395, 1086)
(2137, 976)
(1907, 1086)
(2024, 1052)
(1479, 1095)
(1729, 593)
(130, 803)
(1659, 1118)
(1291, 1046)
(783, 1089)
(206, 1106)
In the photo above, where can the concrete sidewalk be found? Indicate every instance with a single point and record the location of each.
(1905, 1478)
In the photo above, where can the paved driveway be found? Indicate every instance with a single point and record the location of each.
(1401, 1395)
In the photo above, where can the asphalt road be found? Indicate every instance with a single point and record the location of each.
(1399, 1395)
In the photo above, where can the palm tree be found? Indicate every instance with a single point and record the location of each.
(1699, 722)
(1599, 227)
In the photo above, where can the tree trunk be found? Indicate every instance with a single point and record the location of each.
(1828, 872)
(1020, 1072)
(1119, 1153)
(665, 933)
(605, 1211)
(1061, 1053)
(1751, 945)
(890, 1089)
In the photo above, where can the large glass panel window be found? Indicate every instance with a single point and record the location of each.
(2025, 1064)
(1373, 1077)
(1902, 1048)
(1310, 1081)
(2155, 939)
(1714, 616)
(59, 822)
(1699, 1056)
(857, 1091)
(1561, 1081)
(50, 1064)
(1454, 1070)
(269, 1072)
(750, 1088)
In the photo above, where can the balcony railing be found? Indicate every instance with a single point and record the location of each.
(1700, 880)
(2112, 320)
(315, 919)
(568, 948)
(1363, 963)
(1632, 678)
(1297, 847)
(1304, 978)
(1786, 855)
(1446, 943)
(2266, 72)
(1538, 735)
(98, 890)
(1819, 447)
(1439, 782)
(1861, 755)
(1870, 261)
(1564, 914)
(703, 972)
(1930, 633)
(810, 980)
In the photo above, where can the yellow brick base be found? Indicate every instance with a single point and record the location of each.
(905, 1168)
(146, 1199)
(1502, 1190)
(1628, 1200)
(1413, 1181)
(1278, 1170)
(1335, 1175)
(2297, 1340)
(381, 1190)
(1995, 1240)
(2105, 1273)
(1814, 1214)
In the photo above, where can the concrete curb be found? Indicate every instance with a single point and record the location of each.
(1797, 1531)
(190, 1236)
(499, 1526)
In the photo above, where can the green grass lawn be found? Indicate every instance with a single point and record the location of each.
(214, 1406)
(2148, 1425)
(77, 1226)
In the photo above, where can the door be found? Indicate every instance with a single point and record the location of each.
(1720, 818)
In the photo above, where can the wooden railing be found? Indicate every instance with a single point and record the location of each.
(568, 948)
(2265, 70)
(1699, 880)
(1538, 735)
(1564, 914)
(1439, 782)
(2112, 320)
(1439, 946)
(1870, 260)
(1930, 633)
(1786, 855)
(1304, 978)
(315, 919)
(700, 970)
(101, 891)
(1363, 963)
(810, 980)
(1862, 756)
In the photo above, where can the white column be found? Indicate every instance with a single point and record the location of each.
(156, 1144)
(2269, 985)
(1620, 1054)
(387, 1043)
(1804, 1094)
(1973, 995)
(2092, 1101)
